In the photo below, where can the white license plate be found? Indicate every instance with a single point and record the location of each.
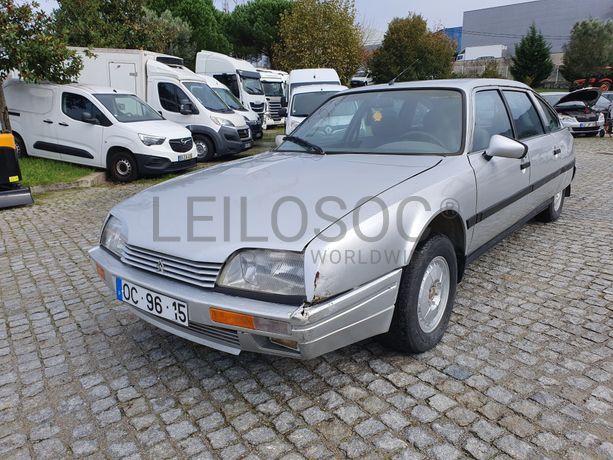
(187, 156)
(247, 145)
(152, 302)
(590, 124)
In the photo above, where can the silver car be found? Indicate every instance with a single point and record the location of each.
(340, 235)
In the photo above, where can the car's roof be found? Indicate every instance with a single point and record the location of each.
(91, 89)
(465, 84)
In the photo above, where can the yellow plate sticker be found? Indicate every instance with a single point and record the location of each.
(13, 179)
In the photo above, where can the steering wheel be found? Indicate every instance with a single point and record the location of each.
(417, 135)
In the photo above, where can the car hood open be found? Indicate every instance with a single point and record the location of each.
(588, 95)
(267, 201)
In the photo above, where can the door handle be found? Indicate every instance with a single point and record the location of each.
(525, 165)
(49, 122)
(63, 124)
(557, 151)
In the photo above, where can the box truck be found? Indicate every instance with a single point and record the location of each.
(274, 83)
(473, 53)
(179, 94)
(241, 77)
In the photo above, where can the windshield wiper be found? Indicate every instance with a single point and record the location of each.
(304, 143)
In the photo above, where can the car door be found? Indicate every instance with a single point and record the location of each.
(546, 169)
(530, 130)
(499, 180)
(40, 126)
(80, 130)
(170, 97)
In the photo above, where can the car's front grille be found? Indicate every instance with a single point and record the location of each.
(243, 133)
(202, 274)
(217, 334)
(274, 108)
(587, 117)
(259, 108)
(181, 145)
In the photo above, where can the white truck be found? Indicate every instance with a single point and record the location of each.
(473, 53)
(274, 83)
(179, 94)
(308, 89)
(96, 126)
(240, 76)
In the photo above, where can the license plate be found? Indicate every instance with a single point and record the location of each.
(187, 156)
(247, 145)
(152, 302)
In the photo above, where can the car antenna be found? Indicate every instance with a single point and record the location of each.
(403, 72)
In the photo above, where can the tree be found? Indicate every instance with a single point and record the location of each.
(205, 20)
(253, 27)
(590, 47)
(408, 46)
(532, 61)
(31, 45)
(490, 70)
(319, 33)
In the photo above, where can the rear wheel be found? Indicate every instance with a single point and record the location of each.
(204, 147)
(122, 167)
(20, 147)
(554, 210)
(425, 298)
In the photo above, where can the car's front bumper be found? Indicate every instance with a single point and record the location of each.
(585, 127)
(348, 318)
(152, 165)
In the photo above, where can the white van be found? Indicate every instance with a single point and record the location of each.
(304, 100)
(96, 126)
(274, 83)
(306, 77)
(241, 77)
(254, 121)
(179, 94)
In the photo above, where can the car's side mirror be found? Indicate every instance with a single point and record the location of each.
(87, 117)
(504, 147)
(283, 101)
(279, 139)
(283, 112)
(186, 107)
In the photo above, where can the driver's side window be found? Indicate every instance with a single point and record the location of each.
(491, 118)
(171, 97)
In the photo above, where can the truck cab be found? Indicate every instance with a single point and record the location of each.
(274, 83)
(240, 76)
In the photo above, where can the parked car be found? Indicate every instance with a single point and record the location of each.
(582, 111)
(361, 78)
(176, 92)
(96, 126)
(335, 237)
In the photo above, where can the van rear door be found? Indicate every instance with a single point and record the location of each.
(123, 76)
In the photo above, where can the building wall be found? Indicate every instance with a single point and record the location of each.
(507, 24)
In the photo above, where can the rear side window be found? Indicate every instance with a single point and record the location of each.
(525, 116)
(171, 97)
(75, 105)
(551, 117)
(491, 118)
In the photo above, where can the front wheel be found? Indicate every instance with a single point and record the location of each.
(554, 210)
(425, 298)
(122, 167)
(20, 147)
(204, 147)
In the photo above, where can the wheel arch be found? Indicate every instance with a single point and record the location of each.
(213, 135)
(115, 149)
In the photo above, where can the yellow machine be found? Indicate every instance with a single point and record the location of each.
(11, 192)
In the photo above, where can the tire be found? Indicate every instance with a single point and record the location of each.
(205, 148)
(554, 210)
(122, 167)
(20, 147)
(411, 331)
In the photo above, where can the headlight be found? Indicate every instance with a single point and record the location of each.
(113, 237)
(222, 121)
(265, 271)
(566, 118)
(148, 139)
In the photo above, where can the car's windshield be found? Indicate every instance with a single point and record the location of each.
(206, 96)
(229, 99)
(252, 85)
(128, 108)
(409, 122)
(304, 104)
(273, 88)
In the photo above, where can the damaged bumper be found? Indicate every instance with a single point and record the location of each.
(310, 331)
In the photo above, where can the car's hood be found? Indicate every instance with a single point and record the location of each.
(587, 95)
(165, 128)
(267, 201)
(236, 118)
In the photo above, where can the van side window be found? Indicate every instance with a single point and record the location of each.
(171, 96)
(526, 118)
(230, 81)
(75, 105)
(552, 120)
(491, 118)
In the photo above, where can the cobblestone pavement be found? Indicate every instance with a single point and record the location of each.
(524, 371)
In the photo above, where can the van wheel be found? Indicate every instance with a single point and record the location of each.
(20, 147)
(425, 298)
(122, 167)
(554, 210)
(204, 147)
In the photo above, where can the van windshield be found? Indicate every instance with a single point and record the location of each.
(229, 99)
(206, 96)
(273, 88)
(304, 104)
(127, 108)
(252, 85)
